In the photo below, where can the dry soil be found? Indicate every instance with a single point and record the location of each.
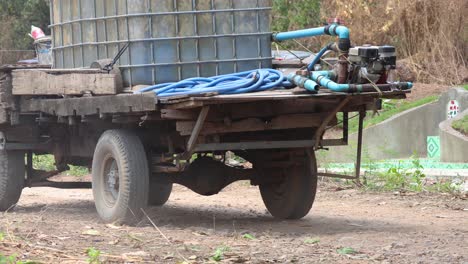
(345, 226)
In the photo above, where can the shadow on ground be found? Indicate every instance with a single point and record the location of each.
(219, 218)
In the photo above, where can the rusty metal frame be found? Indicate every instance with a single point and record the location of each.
(191, 144)
(357, 172)
(285, 144)
(321, 130)
(317, 142)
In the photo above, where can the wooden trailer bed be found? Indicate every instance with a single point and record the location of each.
(179, 139)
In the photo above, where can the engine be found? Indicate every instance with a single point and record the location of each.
(372, 64)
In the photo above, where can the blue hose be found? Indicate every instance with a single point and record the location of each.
(317, 57)
(236, 83)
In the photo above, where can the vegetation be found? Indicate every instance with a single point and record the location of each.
(248, 236)
(404, 178)
(219, 253)
(93, 255)
(13, 260)
(314, 240)
(19, 15)
(436, 53)
(389, 108)
(346, 251)
(47, 163)
(297, 14)
(397, 178)
(16, 18)
(461, 125)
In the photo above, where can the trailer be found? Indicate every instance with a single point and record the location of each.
(138, 144)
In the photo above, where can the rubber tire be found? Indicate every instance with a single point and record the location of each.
(159, 193)
(128, 152)
(300, 185)
(12, 176)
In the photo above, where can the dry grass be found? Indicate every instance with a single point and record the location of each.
(431, 34)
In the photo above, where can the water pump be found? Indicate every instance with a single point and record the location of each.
(359, 69)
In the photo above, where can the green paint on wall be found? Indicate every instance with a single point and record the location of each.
(433, 147)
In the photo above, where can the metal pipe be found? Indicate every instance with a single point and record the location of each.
(362, 115)
(344, 43)
(333, 30)
(304, 33)
(323, 78)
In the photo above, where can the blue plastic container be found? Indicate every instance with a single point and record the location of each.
(170, 40)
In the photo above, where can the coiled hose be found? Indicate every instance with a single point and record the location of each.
(236, 83)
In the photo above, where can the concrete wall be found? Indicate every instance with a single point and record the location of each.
(454, 145)
(402, 135)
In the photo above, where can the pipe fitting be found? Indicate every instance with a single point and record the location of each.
(303, 82)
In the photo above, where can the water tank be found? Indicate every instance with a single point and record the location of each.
(169, 40)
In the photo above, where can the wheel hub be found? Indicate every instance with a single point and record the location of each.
(111, 181)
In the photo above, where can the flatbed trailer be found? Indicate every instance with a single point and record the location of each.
(138, 145)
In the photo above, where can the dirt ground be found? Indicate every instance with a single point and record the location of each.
(58, 226)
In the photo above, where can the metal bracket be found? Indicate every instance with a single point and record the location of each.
(357, 173)
(196, 132)
(26, 146)
(328, 119)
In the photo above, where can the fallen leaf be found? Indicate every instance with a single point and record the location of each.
(442, 216)
(136, 254)
(114, 242)
(91, 232)
(112, 226)
(200, 233)
(62, 238)
(41, 236)
(237, 259)
(168, 257)
(193, 257)
(357, 225)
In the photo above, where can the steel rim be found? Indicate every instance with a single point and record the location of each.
(111, 181)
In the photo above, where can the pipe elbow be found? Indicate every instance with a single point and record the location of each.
(337, 30)
(336, 87)
(342, 32)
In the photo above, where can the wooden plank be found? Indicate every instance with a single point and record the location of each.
(91, 105)
(259, 109)
(254, 124)
(178, 114)
(11, 67)
(69, 82)
(185, 105)
(296, 64)
(7, 101)
(80, 70)
(269, 96)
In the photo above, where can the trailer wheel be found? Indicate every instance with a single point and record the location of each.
(12, 172)
(120, 177)
(293, 196)
(159, 193)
